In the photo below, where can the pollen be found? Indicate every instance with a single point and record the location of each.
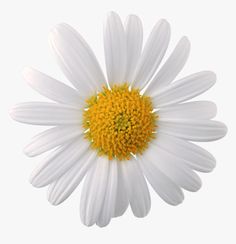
(119, 122)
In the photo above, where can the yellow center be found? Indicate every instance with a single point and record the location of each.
(119, 122)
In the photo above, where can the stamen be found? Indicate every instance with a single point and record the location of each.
(119, 122)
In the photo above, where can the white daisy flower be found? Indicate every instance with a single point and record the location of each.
(121, 132)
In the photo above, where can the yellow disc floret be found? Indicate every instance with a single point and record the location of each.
(119, 122)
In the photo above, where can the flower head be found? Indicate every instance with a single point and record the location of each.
(121, 131)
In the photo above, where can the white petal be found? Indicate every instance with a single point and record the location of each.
(108, 206)
(58, 163)
(193, 130)
(51, 138)
(196, 157)
(138, 193)
(76, 59)
(51, 88)
(173, 167)
(62, 188)
(115, 49)
(122, 201)
(184, 89)
(171, 68)
(94, 192)
(152, 54)
(134, 36)
(190, 110)
(164, 187)
(43, 113)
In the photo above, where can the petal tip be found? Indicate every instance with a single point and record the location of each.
(186, 41)
(211, 75)
(59, 26)
(53, 201)
(211, 168)
(112, 14)
(35, 181)
(53, 197)
(142, 215)
(133, 16)
(177, 202)
(56, 30)
(195, 185)
(12, 112)
(103, 224)
(28, 152)
(225, 130)
(26, 72)
(87, 222)
(164, 22)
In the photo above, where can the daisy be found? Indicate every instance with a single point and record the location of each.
(124, 131)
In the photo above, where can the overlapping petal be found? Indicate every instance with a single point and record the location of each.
(43, 113)
(63, 187)
(171, 68)
(152, 54)
(134, 36)
(115, 48)
(76, 59)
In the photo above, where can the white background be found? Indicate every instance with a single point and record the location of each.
(208, 216)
